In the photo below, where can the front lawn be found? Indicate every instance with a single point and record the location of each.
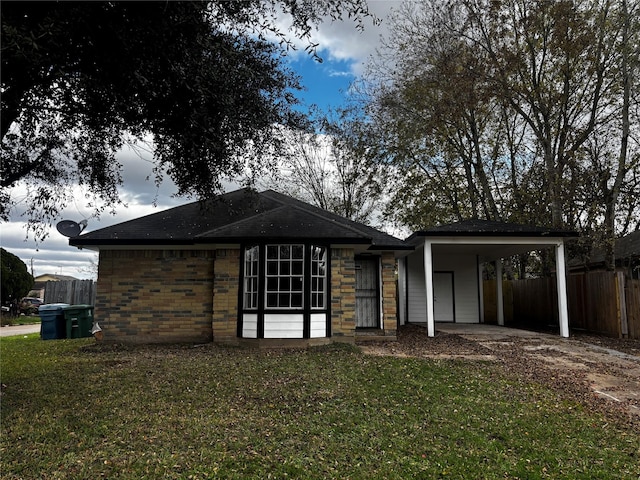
(74, 409)
(7, 319)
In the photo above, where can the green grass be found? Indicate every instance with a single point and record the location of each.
(71, 409)
(19, 320)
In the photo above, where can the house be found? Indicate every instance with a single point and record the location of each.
(245, 267)
(441, 281)
(626, 251)
(40, 282)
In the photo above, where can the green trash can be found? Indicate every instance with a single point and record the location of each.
(79, 320)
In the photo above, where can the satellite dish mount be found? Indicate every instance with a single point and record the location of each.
(69, 228)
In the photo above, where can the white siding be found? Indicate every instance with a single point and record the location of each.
(283, 325)
(465, 281)
(318, 325)
(417, 294)
(250, 325)
(465, 276)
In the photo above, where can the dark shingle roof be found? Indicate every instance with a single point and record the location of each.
(240, 216)
(489, 228)
(626, 247)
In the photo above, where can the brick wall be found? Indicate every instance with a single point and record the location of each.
(343, 294)
(389, 296)
(225, 295)
(146, 296)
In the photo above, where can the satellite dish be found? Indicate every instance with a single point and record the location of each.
(69, 228)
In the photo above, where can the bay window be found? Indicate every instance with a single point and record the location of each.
(284, 291)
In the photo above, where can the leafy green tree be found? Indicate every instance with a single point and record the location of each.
(513, 109)
(16, 280)
(199, 79)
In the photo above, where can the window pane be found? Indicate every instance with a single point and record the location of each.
(296, 300)
(285, 268)
(272, 284)
(283, 300)
(272, 300)
(272, 268)
(284, 276)
(319, 274)
(250, 284)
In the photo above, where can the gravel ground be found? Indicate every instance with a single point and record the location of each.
(585, 368)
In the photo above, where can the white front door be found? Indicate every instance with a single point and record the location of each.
(443, 306)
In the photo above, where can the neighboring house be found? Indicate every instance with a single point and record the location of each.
(626, 253)
(40, 282)
(246, 267)
(442, 280)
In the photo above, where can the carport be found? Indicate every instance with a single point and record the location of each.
(441, 281)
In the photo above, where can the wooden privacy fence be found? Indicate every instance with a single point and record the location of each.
(607, 303)
(73, 292)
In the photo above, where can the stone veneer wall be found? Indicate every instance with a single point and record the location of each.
(389, 294)
(225, 295)
(343, 295)
(147, 296)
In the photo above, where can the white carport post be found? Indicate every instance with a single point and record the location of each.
(428, 282)
(561, 282)
(499, 294)
(480, 289)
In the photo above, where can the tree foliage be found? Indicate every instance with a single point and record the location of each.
(79, 79)
(16, 280)
(333, 166)
(514, 110)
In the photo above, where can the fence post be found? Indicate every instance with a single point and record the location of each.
(622, 304)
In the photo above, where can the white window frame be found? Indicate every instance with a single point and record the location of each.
(251, 277)
(318, 277)
(286, 272)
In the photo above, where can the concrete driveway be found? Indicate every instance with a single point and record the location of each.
(19, 330)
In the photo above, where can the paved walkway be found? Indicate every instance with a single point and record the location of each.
(19, 330)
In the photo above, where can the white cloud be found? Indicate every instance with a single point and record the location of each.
(53, 254)
(342, 41)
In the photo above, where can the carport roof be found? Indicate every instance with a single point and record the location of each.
(489, 240)
(488, 228)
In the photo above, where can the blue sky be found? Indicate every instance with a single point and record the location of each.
(326, 83)
(344, 51)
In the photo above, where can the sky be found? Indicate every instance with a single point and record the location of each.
(344, 51)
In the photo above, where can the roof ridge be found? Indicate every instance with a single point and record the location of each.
(241, 221)
(325, 214)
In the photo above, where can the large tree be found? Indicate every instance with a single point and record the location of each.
(199, 79)
(16, 280)
(519, 110)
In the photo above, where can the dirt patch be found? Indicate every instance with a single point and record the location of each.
(601, 373)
